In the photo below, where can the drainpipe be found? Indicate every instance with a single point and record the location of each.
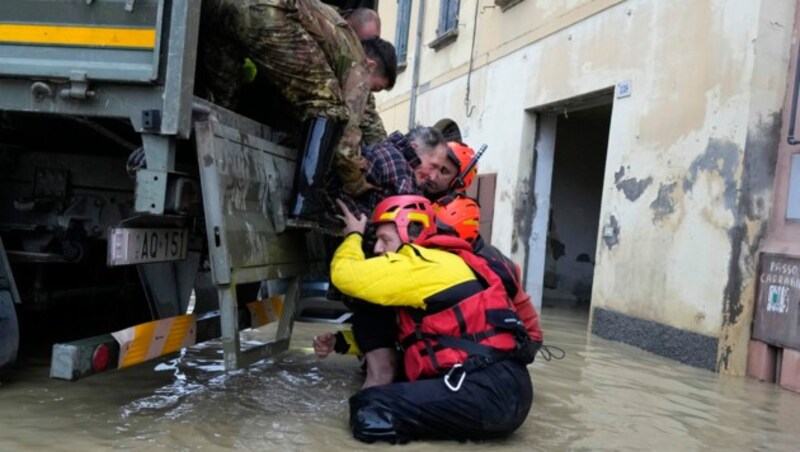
(412, 110)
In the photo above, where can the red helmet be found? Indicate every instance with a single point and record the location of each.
(403, 210)
(461, 154)
(462, 214)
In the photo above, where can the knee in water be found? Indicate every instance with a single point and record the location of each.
(371, 421)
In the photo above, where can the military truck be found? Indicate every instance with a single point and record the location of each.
(84, 86)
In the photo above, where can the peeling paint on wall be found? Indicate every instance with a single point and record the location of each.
(724, 360)
(524, 210)
(611, 232)
(664, 204)
(758, 175)
(720, 157)
(619, 174)
(760, 158)
(733, 290)
(633, 188)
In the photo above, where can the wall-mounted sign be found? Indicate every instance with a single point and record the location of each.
(777, 313)
(623, 89)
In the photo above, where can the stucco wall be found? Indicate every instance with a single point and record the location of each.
(688, 179)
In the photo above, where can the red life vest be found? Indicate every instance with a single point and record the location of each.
(509, 273)
(435, 342)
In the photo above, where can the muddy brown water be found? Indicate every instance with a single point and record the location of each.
(603, 396)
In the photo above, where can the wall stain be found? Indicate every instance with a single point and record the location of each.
(724, 358)
(524, 210)
(613, 238)
(619, 174)
(633, 188)
(760, 159)
(721, 157)
(737, 235)
(664, 204)
(751, 202)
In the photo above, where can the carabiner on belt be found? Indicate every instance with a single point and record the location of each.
(449, 374)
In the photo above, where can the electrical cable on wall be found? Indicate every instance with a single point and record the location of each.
(467, 100)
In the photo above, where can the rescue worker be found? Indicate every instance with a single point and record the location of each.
(426, 153)
(399, 165)
(459, 156)
(464, 353)
(462, 215)
(316, 60)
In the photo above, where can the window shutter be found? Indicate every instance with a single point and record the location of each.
(486, 189)
(443, 7)
(401, 35)
(452, 14)
(482, 190)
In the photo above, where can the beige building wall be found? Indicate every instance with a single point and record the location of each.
(697, 137)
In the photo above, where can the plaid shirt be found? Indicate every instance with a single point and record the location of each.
(390, 168)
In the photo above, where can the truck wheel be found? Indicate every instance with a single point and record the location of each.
(9, 330)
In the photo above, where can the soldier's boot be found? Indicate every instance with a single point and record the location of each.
(313, 162)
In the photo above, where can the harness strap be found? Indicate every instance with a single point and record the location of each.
(439, 347)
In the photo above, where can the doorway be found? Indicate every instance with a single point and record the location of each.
(571, 147)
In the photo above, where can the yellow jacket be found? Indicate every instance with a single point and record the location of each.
(408, 277)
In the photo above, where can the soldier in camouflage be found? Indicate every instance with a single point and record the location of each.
(372, 130)
(316, 59)
(367, 25)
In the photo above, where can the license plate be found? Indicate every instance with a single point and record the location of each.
(142, 246)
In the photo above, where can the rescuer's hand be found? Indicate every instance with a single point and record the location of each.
(323, 345)
(351, 223)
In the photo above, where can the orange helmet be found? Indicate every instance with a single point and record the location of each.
(461, 154)
(462, 214)
(403, 210)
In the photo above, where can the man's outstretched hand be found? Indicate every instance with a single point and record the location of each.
(323, 345)
(351, 223)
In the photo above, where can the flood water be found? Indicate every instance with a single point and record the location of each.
(602, 396)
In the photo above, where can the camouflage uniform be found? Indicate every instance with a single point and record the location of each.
(372, 130)
(306, 49)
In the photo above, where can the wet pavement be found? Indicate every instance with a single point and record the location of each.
(602, 396)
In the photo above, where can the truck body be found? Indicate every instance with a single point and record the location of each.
(84, 86)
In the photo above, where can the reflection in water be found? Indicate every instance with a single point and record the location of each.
(604, 395)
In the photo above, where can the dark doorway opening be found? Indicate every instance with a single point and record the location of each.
(577, 187)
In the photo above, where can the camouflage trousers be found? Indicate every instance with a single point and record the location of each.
(270, 33)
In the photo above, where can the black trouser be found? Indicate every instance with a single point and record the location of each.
(491, 403)
(374, 326)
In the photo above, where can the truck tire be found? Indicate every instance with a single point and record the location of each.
(9, 330)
